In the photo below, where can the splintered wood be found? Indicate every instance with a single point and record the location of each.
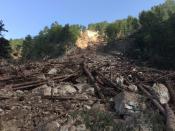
(108, 75)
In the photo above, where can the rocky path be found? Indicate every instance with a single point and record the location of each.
(83, 91)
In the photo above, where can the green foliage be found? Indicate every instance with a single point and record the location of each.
(4, 44)
(4, 48)
(96, 120)
(16, 43)
(2, 27)
(100, 27)
(155, 38)
(111, 32)
(51, 42)
(27, 47)
(121, 29)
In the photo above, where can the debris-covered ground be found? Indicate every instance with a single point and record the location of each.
(86, 91)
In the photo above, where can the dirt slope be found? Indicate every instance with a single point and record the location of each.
(77, 92)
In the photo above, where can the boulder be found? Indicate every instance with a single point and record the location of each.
(99, 107)
(81, 127)
(161, 92)
(41, 77)
(120, 80)
(87, 107)
(128, 103)
(52, 126)
(19, 93)
(133, 88)
(83, 87)
(45, 90)
(66, 89)
(53, 71)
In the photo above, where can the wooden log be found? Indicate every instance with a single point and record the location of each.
(171, 91)
(170, 119)
(69, 98)
(109, 82)
(92, 79)
(28, 83)
(4, 98)
(32, 84)
(154, 101)
(28, 87)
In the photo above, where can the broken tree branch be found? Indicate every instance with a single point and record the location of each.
(155, 102)
(170, 118)
(171, 91)
(92, 79)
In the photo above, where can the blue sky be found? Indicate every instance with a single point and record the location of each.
(23, 17)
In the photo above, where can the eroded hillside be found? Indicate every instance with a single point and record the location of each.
(85, 90)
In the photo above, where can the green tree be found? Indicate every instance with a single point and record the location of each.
(52, 41)
(155, 38)
(99, 27)
(27, 47)
(4, 44)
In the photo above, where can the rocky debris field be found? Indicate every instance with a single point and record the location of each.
(86, 91)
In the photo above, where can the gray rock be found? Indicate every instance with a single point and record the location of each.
(81, 127)
(99, 107)
(161, 93)
(1, 111)
(90, 91)
(45, 90)
(66, 89)
(120, 80)
(19, 93)
(53, 71)
(87, 107)
(81, 87)
(41, 76)
(53, 126)
(133, 88)
(84, 87)
(128, 103)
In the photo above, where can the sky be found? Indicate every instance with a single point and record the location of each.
(23, 17)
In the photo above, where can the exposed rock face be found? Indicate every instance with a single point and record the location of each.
(86, 38)
(161, 93)
(128, 103)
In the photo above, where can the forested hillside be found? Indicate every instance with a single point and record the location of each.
(51, 41)
(106, 76)
(153, 34)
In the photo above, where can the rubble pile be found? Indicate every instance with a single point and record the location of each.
(41, 96)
